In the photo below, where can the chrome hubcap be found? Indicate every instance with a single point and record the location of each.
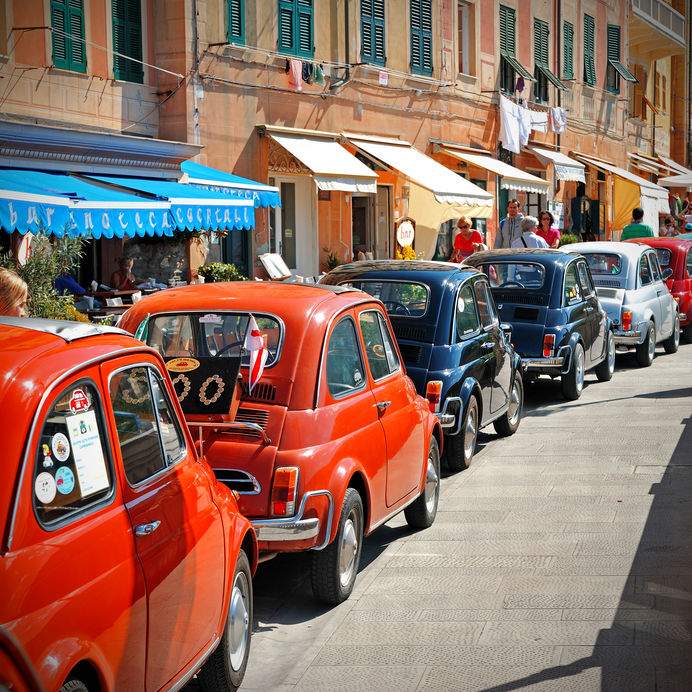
(470, 433)
(676, 331)
(579, 369)
(348, 550)
(432, 484)
(611, 353)
(514, 404)
(652, 343)
(239, 620)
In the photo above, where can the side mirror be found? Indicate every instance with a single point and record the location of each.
(507, 330)
(667, 273)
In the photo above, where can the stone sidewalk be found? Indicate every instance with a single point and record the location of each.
(561, 560)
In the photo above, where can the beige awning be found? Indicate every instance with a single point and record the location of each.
(675, 166)
(565, 167)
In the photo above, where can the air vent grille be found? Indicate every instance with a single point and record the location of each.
(526, 314)
(405, 332)
(261, 392)
(410, 354)
(252, 415)
(506, 297)
(240, 481)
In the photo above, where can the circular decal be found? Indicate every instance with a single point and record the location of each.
(60, 446)
(64, 480)
(44, 487)
(460, 304)
(182, 364)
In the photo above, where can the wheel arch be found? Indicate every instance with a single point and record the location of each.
(87, 672)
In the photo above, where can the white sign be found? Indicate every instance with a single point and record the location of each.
(87, 451)
(558, 211)
(405, 233)
(384, 78)
(25, 250)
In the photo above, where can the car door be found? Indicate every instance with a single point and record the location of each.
(647, 294)
(395, 397)
(579, 316)
(665, 300)
(594, 315)
(494, 344)
(177, 528)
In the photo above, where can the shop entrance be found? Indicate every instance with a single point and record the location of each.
(370, 224)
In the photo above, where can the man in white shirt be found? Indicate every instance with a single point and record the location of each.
(528, 237)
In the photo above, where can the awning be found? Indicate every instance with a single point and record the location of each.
(565, 167)
(548, 74)
(622, 70)
(59, 204)
(682, 180)
(227, 183)
(512, 178)
(652, 164)
(332, 167)
(192, 208)
(517, 66)
(445, 185)
(674, 165)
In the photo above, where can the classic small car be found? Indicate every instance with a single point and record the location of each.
(452, 343)
(330, 443)
(676, 254)
(124, 564)
(631, 287)
(558, 325)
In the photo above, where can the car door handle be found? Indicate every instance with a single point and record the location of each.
(382, 406)
(146, 529)
(487, 345)
(659, 293)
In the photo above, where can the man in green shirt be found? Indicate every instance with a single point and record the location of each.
(637, 229)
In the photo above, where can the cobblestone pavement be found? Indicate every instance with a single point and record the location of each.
(561, 560)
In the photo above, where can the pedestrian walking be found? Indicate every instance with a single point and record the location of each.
(529, 237)
(546, 231)
(637, 229)
(510, 229)
(467, 241)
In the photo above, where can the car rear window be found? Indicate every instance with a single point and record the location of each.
(514, 275)
(215, 334)
(664, 256)
(604, 263)
(400, 298)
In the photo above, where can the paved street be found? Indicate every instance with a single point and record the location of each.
(560, 561)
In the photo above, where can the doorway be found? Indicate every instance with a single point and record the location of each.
(370, 223)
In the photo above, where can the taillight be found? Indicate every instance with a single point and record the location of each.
(626, 320)
(433, 393)
(284, 491)
(548, 345)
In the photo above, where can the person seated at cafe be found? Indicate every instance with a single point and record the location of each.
(66, 284)
(467, 241)
(14, 294)
(123, 279)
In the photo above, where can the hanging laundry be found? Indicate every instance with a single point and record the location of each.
(509, 124)
(520, 84)
(306, 71)
(318, 75)
(539, 121)
(524, 125)
(558, 119)
(295, 69)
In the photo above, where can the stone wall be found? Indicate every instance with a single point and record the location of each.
(157, 260)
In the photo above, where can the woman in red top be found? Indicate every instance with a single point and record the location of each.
(546, 231)
(123, 279)
(467, 241)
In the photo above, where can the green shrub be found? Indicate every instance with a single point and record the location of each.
(568, 239)
(333, 260)
(218, 271)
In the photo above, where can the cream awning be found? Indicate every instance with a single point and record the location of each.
(332, 167)
(675, 166)
(407, 161)
(682, 180)
(512, 178)
(565, 167)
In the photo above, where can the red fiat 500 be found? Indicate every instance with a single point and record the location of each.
(333, 440)
(124, 565)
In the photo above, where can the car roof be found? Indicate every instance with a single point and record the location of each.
(630, 250)
(682, 244)
(425, 269)
(539, 254)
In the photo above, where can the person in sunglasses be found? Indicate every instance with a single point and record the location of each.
(467, 241)
(546, 231)
(669, 228)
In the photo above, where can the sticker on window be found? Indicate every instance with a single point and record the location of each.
(210, 319)
(60, 446)
(87, 451)
(461, 304)
(78, 401)
(44, 487)
(357, 377)
(64, 480)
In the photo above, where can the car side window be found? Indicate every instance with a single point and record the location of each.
(688, 262)
(585, 281)
(572, 291)
(379, 350)
(655, 269)
(72, 470)
(467, 322)
(148, 432)
(644, 271)
(345, 371)
(486, 306)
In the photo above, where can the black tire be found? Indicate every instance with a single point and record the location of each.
(225, 668)
(507, 424)
(647, 349)
(605, 369)
(421, 513)
(686, 334)
(74, 685)
(460, 447)
(334, 568)
(672, 343)
(573, 380)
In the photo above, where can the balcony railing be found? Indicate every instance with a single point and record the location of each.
(662, 16)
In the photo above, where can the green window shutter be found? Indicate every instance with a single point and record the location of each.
(568, 51)
(613, 43)
(127, 40)
(372, 31)
(507, 31)
(421, 37)
(286, 22)
(296, 34)
(58, 20)
(67, 20)
(540, 42)
(589, 61)
(305, 31)
(235, 16)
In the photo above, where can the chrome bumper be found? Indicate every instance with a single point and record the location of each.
(560, 362)
(296, 528)
(631, 337)
(449, 420)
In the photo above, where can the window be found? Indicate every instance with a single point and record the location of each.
(72, 470)
(372, 31)
(688, 262)
(655, 269)
(572, 291)
(345, 372)
(467, 322)
(585, 279)
(665, 256)
(644, 271)
(542, 71)
(660, 95)
(67, 20)
(235, 21)
(638, 101)
(400, 299)
(509, 65)
(486, 306)
(127, 40)
(615, 68)
(568, 51)
(589, 50)
(465, 38)
(514, 275)
(148, 433)
(296, 33)
(421, 37)
(379, 349)
(604, 263)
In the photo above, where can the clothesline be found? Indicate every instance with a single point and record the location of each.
(517, 122)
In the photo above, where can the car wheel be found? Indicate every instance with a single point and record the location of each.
(646, 350)
(73, 685)
(507, 425)
(334, 568)
(573, 379)
(460, 447)
(606, 368)
(225, 668)
(672, 343)
(687, 334)
(421, 513)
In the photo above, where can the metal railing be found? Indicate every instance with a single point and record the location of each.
(662, 16)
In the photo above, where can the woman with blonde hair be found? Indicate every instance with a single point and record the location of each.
(467, 241)
(13, 294)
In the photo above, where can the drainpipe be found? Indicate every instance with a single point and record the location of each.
(653, 118)
(195, 73)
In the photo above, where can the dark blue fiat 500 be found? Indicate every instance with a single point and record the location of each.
(452, 343)
(558, 326)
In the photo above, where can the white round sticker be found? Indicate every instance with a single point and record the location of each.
(60, 446)
(460, 304)
(45, 488)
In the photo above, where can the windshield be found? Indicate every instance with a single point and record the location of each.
(664, 256)
(399, 297)
(208, 334)
(604, 263)
(514, 274)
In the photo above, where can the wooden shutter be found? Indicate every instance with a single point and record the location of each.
(67, 20)
(421, 36)
(236, 21)
(589, 62)
(127, 40)
(613, 43)
(507, 31)
(568, 51)
(286, 23)
(296, 34)
(540, 41)
(58, 20)
(77, 53)
(305, 31)
(372, 31)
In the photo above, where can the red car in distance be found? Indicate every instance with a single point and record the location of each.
(124, 565)
(676, 254)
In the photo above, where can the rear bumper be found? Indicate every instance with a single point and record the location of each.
(557, 364)
(630, 337)
(450, 420)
